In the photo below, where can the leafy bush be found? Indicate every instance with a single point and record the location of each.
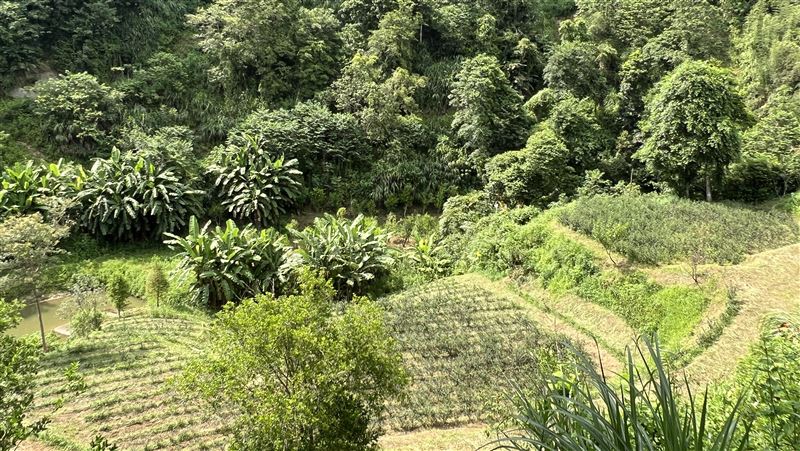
(518, 243)
(29, 188)
(585, 409)
(662, 229)
(79, 111)
(535, 175)
(252, 185)
(351, 253)
(773, 368)
(231, 264)
(303, 374)
(127, 197)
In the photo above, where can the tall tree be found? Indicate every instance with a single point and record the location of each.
(489, 117)
(692, 125)
(27, 246)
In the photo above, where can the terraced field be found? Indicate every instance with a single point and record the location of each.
(464, 347)
(121, 388)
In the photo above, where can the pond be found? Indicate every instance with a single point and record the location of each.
(50, 317)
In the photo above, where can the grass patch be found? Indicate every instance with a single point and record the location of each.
(658, 229)
(464, 347)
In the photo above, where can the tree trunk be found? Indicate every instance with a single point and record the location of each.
(708, 188)
(41, 325)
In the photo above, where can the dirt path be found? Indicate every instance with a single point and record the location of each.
(766, 283)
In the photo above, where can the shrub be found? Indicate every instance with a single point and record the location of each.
(584, 409)
(78, 111)
(127, 197)
(536, 175)
(156, 285)
(661, 229)
(231, 264)
(254, 186)
(460, 213)
(351, 253)
(303, 375)
(30, 188)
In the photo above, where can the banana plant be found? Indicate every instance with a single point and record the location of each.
(253, 186)
(230, 264)
(124, 197)
(353, 254)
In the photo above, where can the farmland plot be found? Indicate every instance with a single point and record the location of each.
(464, 348)
(115, 383)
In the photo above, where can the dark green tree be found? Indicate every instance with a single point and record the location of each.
(488, 118)
(692, 126)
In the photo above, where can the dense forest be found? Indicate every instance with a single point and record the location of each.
(346, 224)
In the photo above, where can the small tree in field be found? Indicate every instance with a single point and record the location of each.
(118, 290)
(302, 374)
(27, 246)
(156, 284)
(607, 233)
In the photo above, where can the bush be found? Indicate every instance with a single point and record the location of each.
(231, 264)
(351, 253)
(662, 229)
(30, 188)
(303, 375)
(126, 197)
(253, 185)
(79, 112)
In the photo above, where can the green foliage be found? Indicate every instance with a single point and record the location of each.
(575, 67)
(118, 291)
(326, 144)
(230, 264)
(537, 175)
(125, 197)
(19, 364)
(663, 229)
(253, 185)
(295, 56)
(156, 284)
(78, 111)
(489, 118)
(462, 345)
(28, 188)
(322, 378)
(28, 245)
(692, 125)
(586, 409)
(773, 368)
(351, 253)
(20, 31)
(768, 49)
(81, 309)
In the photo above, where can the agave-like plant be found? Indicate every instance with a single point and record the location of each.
(230, 264)
(27, 188)
(253, 186)
(124, 196)
(350, 253)
(643, 412)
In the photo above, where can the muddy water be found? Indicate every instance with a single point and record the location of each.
(50, 317)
